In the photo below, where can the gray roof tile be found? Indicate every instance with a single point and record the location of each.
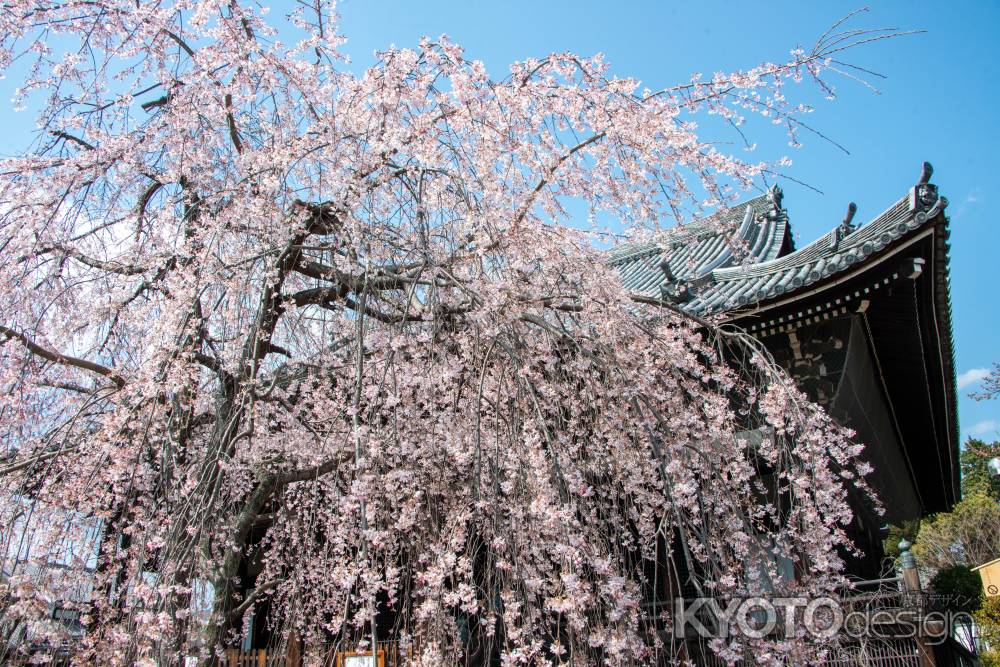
(710, 259)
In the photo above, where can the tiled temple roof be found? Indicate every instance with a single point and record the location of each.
(725, 269)
(891, 273)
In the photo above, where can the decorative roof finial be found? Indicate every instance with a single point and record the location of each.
(776, 196)
(845, 228)
(852, 208)
(671, 290)
(924, 194)
(668, 275)
(926, 173)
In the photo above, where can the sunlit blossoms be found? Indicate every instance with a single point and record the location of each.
(279, 339)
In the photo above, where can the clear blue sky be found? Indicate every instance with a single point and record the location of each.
(939, 103)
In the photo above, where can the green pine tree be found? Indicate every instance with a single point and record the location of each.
(976, 478)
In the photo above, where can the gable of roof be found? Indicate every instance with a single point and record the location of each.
(705, 276)
(752, 232)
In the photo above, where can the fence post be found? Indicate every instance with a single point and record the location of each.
(911, 586)
(908, 564)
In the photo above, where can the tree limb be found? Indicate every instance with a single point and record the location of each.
(62, 359)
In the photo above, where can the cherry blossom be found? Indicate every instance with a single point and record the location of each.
(258, 309)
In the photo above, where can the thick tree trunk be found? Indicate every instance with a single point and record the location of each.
(222, 620)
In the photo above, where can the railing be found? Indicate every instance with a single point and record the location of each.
(879, 602)
(878, 653)
(258, 658)
(874, 653)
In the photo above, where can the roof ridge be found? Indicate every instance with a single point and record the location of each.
(821, 246)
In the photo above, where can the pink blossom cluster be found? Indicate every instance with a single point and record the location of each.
(320, 346)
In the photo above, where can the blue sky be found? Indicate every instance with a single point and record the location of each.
(938, 103)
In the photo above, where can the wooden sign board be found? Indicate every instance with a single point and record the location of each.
(352, 659)
(990, 574)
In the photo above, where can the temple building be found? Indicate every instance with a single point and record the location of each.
(860, 318)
